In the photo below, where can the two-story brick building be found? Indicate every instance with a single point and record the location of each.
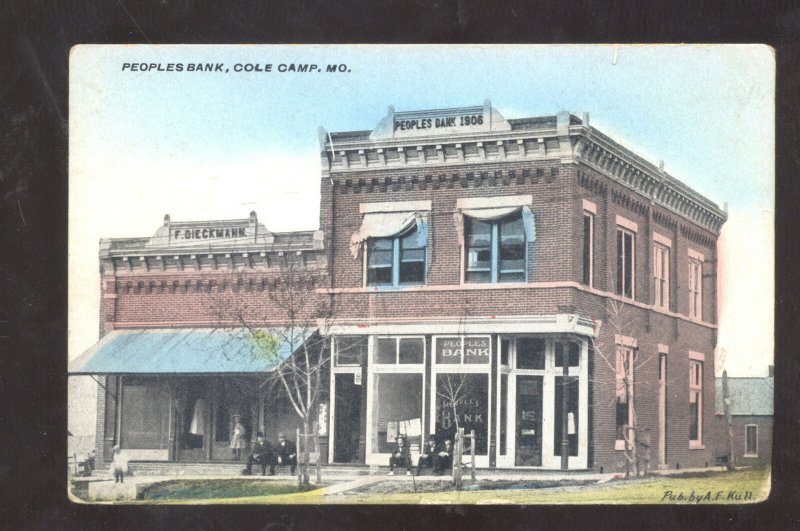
(552, 284)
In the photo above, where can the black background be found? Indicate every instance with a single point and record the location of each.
(35, 38)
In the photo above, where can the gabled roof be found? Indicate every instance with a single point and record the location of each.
(749, 396)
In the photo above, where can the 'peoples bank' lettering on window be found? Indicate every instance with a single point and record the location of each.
(209, 234)
(456, 350)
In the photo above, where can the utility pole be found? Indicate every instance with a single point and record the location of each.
(726, 400)
(564, 419)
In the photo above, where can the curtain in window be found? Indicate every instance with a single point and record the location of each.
(386, 224)
(489, 214)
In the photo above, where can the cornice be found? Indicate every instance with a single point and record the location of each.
(574, 144)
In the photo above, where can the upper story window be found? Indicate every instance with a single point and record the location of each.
(626, 258)
(626, 263)
(589, 211)
(495, 249)
(494, 232)
(695, 285)
(661, 275)
(588, 247)
(395, 261)
(396, 236)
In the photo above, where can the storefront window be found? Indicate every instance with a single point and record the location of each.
(397, 410)
(461, 394)
(400, 350)
(145, 414)
(572, 389)
(462, 402)
(530, 353)
(386, 350)
(350, 350)
(571, 350)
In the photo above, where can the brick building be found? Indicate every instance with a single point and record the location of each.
(530, 279)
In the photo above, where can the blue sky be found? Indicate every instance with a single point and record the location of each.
(209, 145)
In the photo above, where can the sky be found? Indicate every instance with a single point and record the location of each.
(216, 145)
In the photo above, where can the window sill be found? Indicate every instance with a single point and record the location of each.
(696, 446)
(750, 456)
(619, 445)
(400, 287)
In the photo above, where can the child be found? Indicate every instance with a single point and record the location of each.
(119, 465)
(237, 438)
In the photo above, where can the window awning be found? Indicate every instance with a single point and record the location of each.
(493, 213)
(185, 351)
(386, 224)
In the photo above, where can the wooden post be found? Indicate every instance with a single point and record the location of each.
(299, 468)
(316, 450)
(564, 420)
(457, 471)
(472, 451)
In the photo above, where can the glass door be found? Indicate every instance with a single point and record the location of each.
(528, 429)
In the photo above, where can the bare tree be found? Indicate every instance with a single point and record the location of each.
(625, 362)
(292, 333)
(454, 389)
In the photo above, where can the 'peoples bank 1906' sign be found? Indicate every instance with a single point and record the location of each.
(465, 349)
(420, 124)
(455, 121)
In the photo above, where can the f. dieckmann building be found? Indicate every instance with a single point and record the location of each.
(534, 263)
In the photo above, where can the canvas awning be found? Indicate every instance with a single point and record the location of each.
(386, 224)
(489, 214)
(186, 351)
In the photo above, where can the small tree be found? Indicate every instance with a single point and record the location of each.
(625, 362)
(454, 389)
(297, 345)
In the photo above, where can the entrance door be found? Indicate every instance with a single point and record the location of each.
(347, 419)
(232, 398)
(192, 420)
(529, 421)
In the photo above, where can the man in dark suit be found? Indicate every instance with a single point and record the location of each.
(444, 459)
(428, 457)
(262, 454)
(287, 452)
(401, 456)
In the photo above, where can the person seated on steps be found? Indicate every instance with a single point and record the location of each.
(443, 463)
(428, 456)
(262, 454)
(401, 456)
(287, 452)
